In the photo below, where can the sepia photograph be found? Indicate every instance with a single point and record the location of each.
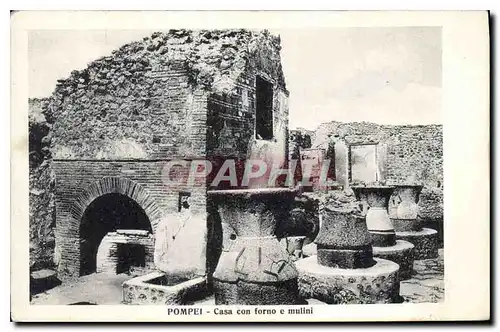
(239, 170)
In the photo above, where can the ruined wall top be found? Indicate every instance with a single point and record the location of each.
(145, 100)
(211, 57)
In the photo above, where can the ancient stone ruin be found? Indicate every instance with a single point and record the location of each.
(375, 202)
(124, 136)
(344, 271)
(181, 95)
(408, 227)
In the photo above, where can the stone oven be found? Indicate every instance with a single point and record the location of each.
(176, 97)
(125, 251)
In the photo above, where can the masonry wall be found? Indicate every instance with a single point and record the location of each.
(41, 183)
(231, 131)
(121, 119)
(144, 117)
(76, 187)
(407, 154)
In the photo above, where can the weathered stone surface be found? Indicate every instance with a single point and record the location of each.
(413, 154)
(346, 258)
(407, 225)
(245, 293)
(402, 253)
(427, 284)
(260, 260)
(425, 241)
(293, 246)
(180, 246)
(256, 258)
(377, 284)
(156, 289)
(341, 229)
(253, 212)
(42, 189)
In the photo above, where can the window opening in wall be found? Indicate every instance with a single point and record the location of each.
(264, 109)
(184, 201)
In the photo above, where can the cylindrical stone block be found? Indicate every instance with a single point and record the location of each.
(376, 284)
(425, 241)
(341, 229)
(401, 253)
(407, 225)
(343, 240)
(256, 269)
(346, 258)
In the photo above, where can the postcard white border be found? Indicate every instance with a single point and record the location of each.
(466, 158)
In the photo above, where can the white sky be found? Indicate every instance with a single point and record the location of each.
(381, 75)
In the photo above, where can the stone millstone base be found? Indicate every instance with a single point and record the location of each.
(402, 253)
(425, 241)
(376, 284)
(246, 293)
(346, 258)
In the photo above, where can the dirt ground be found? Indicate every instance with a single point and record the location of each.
(427, 285)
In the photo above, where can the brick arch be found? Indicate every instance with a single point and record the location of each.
(118, 185)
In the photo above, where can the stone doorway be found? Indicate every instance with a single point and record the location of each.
(106, 214)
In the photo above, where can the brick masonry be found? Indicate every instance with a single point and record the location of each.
(108, 252)
(181, 95)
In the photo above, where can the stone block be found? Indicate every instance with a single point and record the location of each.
(425, 241)
(160, 289)
(43, 280)
(342, 229)
(346, 258)
(407, 225)
(376, 284)
(401, 253)
(180, 245)
(247, 293)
